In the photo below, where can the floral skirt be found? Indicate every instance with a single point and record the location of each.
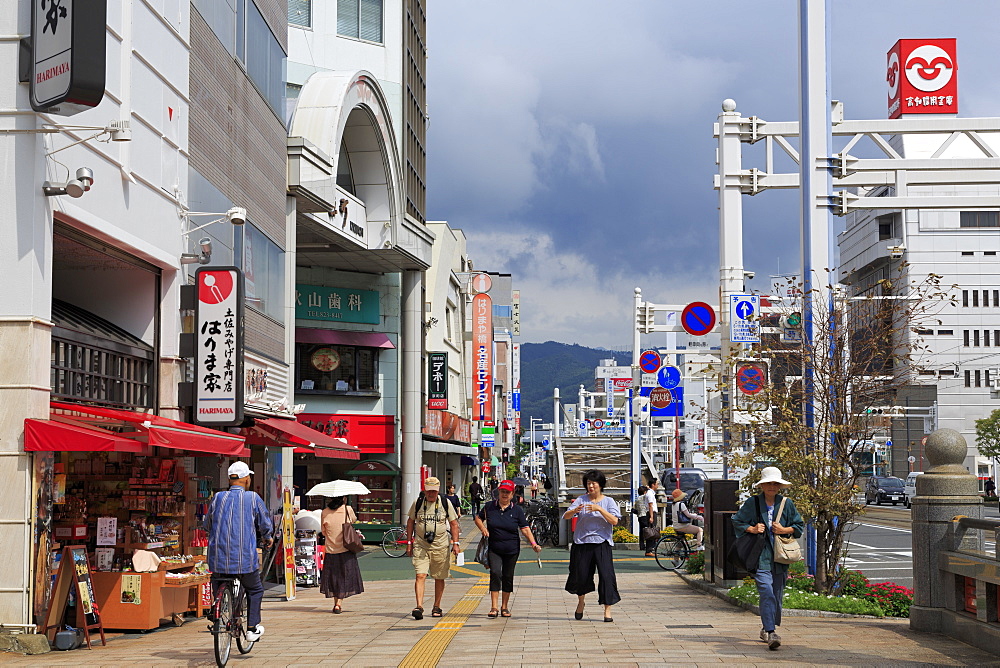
(341, 576)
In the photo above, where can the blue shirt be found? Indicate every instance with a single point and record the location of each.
(235, 518)
(592, 527)
(503, 525)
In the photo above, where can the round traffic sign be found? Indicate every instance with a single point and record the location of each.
(486, 467)
(668, 377)
(649, 361)
(598, 424)
(750, 378)
(660, 398)
(698, 318)
(911, 459)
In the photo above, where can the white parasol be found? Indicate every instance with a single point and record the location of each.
(338, 488)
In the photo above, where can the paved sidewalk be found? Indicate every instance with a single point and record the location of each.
(660, 621)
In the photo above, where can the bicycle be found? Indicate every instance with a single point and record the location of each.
(394, 542)
(672, 552)
(229, 611)
(465, 506)
(543, 529)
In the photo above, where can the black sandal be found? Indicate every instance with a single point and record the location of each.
(492, 614)
(436, 612)
(418, 613)
(504, 612)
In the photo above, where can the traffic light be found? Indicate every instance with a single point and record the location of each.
(791, 320)
(644, 318)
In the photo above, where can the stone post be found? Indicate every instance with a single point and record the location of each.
(945, 490)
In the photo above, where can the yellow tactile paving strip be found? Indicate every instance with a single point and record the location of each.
(431, 647)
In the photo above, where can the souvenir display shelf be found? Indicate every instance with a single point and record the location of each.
(378, 511)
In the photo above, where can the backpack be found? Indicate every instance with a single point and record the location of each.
(444, 499)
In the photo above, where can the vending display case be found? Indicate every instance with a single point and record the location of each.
(379, 510)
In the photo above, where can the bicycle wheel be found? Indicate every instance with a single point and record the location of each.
(394, 543)
(223, 625)
(243, 643)
(670, 553)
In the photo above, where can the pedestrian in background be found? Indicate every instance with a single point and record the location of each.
(534, 488)
(641, 510)
(547, 484)
(597, 515)
(493, 489)
(653, 511)
(476, 495)
(453, 498)
(341, 576)
(500, 522)
(431, 539)
(770, 576)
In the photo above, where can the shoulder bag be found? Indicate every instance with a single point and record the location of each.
(483, 549)
(352, 537)
(745, 550)
(786, 549)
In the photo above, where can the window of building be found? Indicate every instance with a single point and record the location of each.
(968, 253)
(975, 297)
(989, 252)
(886, 227)
(300, 13)
(996, 297)
(361, 19)
(263, 265)
(965, 337)
(946, 372)
(449, 314)
(996, 336)
(986, 338)
(979, 219)
(946, 332)
(975, 338)
(324, 368)
(965, 298)
(986, 375)
(260, 53)
(968, 378)
(986, 298)
(979, 378)
(924, 332)
(501, 310)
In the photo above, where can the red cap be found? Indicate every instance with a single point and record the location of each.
(507, 485)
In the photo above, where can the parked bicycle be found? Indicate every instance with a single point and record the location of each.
(544, 521)
(466, 506)
(229, 610)
(673, 551)
(394, 542)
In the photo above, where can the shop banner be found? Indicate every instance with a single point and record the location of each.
(437, 381)
(317, 302)
(482, 358)
(447, 426)
(288, 544)
(219, 380)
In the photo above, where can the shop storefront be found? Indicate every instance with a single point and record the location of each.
(447, 450)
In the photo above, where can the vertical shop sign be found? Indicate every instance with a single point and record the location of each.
(68, 55)
(482, 358)
(219, 382)
(515, 313)
(437, 381)
(288, 543)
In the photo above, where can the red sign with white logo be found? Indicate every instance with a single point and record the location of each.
(660, 398)
(482, 358)
(922, 75)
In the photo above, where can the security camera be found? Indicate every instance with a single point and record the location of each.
(896, 252)
(748, 275)
(85, 175)
(237, 215)
(206, 245)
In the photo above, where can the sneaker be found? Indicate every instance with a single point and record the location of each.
(255, 632)
(763, 635)
(773, 640)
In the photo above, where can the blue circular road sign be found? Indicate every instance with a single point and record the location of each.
(649, 361)
(698, 318)
(668, 377)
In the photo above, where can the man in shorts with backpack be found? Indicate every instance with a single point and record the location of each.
(431, 540)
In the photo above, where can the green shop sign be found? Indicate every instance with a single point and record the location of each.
(316, 302)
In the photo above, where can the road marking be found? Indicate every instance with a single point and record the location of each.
(431, 647)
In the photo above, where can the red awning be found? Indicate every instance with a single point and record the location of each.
(161, 431)
(305, 439)
(52, 436)
(337, 337)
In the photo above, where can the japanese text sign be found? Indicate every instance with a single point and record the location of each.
(922, 75)
(315, 302)
(219, 347)
(68, 55)
(482, 358)
(437, 381)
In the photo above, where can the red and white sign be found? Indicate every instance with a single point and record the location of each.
(922, 75)
(486, 467)
(660, 398)
(482, 282)
(218, 383)
(482, 357)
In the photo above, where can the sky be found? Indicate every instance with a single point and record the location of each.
(571, 140)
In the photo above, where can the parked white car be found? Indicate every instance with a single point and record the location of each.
(910, 487)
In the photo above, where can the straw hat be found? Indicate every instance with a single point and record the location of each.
(771, 474)
(677, 495)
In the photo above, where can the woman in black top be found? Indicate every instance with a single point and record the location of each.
(453, 497)
(500, 521)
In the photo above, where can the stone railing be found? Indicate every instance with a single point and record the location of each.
(956, 580)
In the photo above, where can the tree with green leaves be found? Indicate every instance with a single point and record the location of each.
(866, 348)
(988, 436)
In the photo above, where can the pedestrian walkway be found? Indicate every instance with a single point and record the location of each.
(660, 621)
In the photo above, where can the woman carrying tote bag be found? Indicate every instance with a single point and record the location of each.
(341, 575)
(781, 518)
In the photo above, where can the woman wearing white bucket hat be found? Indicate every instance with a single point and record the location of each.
(757, 515)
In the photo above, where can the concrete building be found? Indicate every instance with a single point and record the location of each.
(962, 362)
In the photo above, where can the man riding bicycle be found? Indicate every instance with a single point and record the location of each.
(236, 518)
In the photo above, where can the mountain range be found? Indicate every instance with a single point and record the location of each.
(548, 365)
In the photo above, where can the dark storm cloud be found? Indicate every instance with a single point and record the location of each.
(572, 141)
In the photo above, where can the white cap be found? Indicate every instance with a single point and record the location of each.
(239, 469)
